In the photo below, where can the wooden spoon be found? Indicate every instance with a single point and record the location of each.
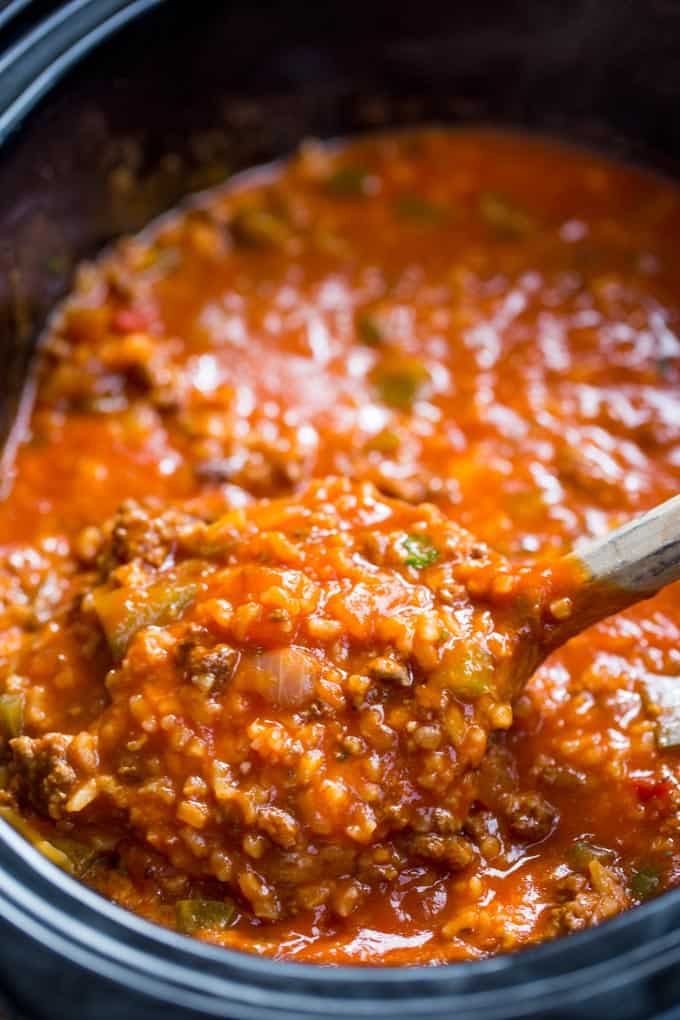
(625, 566)
(610, 574)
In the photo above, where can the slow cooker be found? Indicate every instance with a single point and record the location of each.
(173, 96)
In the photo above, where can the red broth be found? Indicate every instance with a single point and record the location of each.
(479, 321)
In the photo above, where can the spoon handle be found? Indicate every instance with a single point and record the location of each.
(625, 566)
(640, 557)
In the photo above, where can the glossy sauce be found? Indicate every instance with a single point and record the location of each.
(486, 322)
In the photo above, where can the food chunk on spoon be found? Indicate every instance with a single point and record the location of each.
(300, 693)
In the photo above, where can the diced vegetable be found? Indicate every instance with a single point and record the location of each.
(645, 882)
(29, 832)
(663, 367)
(11, 715)
(386, 441)
(401, 384)
(124, 611)
(581, 853)
(130, 319)
(260, 228)
(506, 219)
(332, 243)
(162, 258)
(420, 552)
(204, 915)
(79, 855)
(369, 330)
(651, 789)
(663, 694)
(467, 669)
(285, 676)
(86, 325)
(349, 181)
(420, 210)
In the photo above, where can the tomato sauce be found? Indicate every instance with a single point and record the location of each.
(479, 321)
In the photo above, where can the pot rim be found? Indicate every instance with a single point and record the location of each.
(69, 918)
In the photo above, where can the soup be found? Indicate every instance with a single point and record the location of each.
(418, 329)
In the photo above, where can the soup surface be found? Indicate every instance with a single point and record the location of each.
(238, 718)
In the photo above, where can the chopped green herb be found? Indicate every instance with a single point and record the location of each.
(400, 386)
(200, 915)
(420, 551)
(645, 882)
(420, 210)
(11, 715)
(369, 330)
(349, 181)
(508, 220)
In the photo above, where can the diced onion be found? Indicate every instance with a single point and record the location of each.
(286, 676)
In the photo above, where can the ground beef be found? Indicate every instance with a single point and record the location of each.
(530, 817)
(390, 670)
(454, 851)
(42, 773)
(589, 898)
(207, 667)
(143, 533)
